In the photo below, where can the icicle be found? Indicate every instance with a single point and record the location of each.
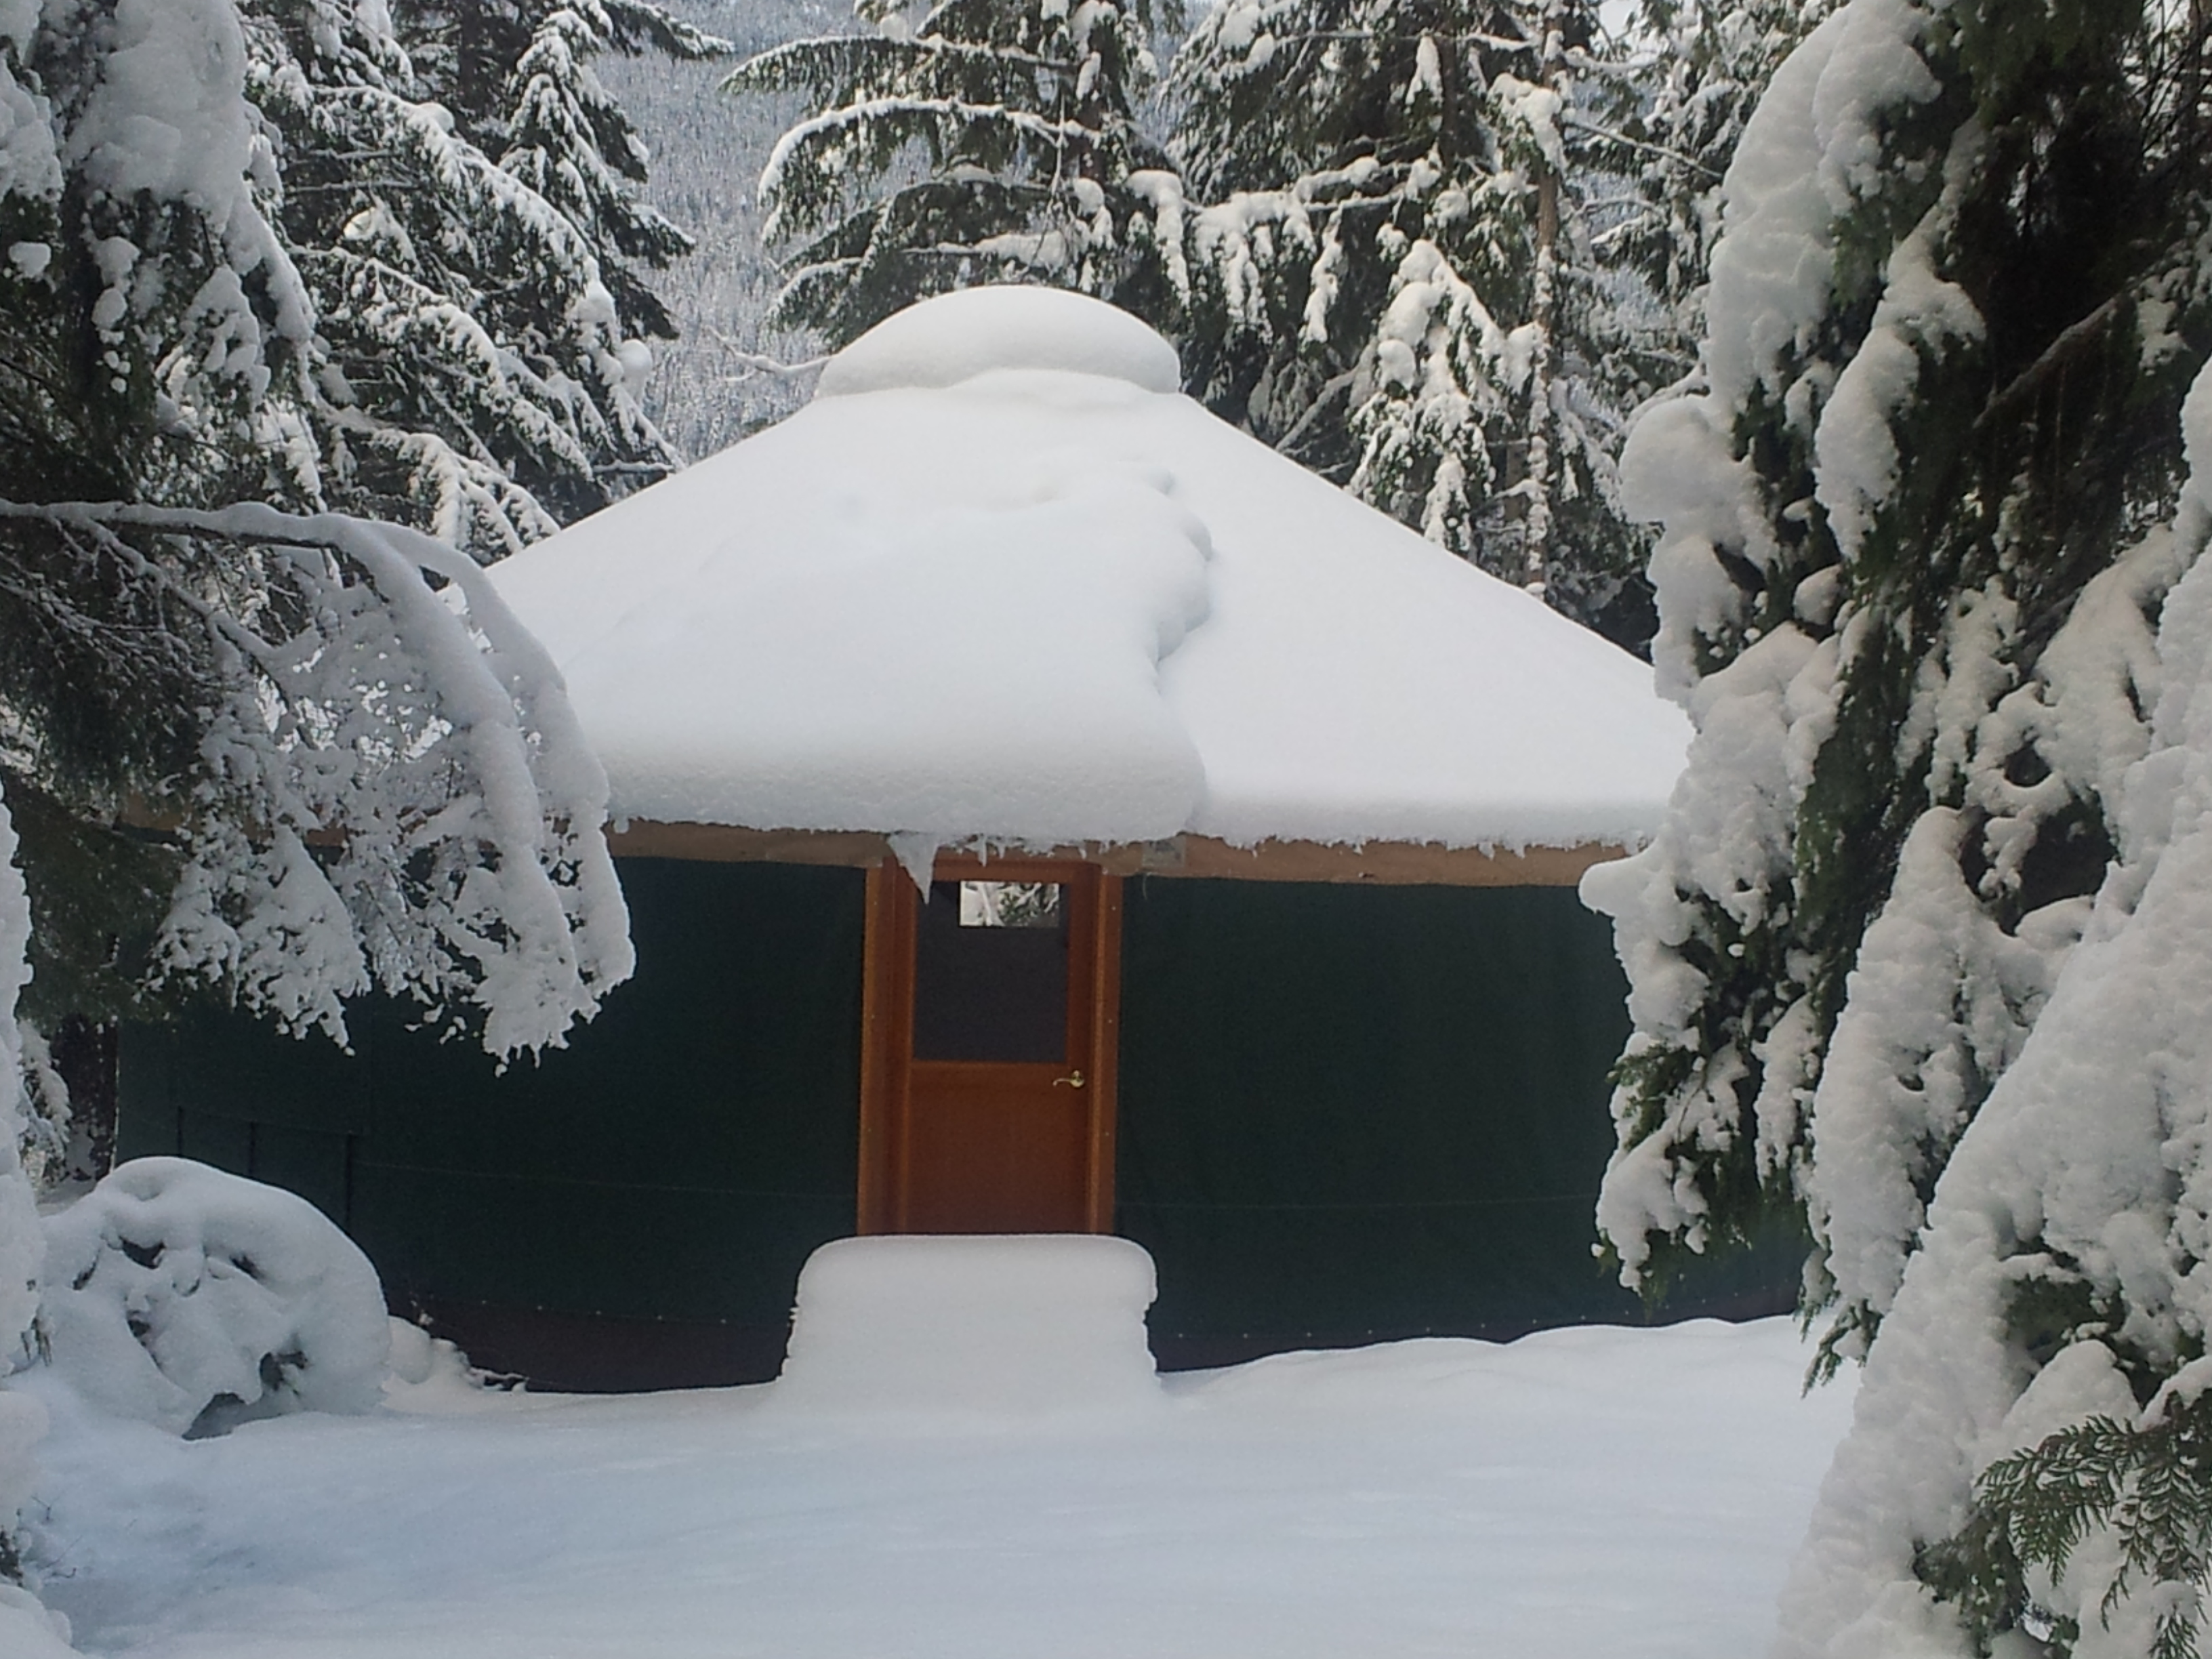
(916, 851)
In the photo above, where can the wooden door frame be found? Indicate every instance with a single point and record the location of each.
(887, 1027)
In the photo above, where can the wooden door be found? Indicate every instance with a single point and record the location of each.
(988, 1076)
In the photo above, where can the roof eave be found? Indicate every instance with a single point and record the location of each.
(1381, 863)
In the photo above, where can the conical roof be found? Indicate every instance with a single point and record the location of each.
(1000, 582)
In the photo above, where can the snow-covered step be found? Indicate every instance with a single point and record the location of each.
(1008, 1328)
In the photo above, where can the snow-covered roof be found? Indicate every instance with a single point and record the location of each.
(998, 580)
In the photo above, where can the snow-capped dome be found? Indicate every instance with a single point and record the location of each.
(1065, 604)
(957, 336)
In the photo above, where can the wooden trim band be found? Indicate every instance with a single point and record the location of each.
(1378, 862)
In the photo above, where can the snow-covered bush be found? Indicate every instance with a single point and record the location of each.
(183, 1295)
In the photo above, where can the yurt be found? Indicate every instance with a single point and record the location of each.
(1040, 808)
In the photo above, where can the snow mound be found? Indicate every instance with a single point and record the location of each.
(430, 1376)
(181, 1296)
(958, 336)
(973, 1329)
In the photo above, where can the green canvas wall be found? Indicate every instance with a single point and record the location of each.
(1347, 1113)
(1366, 1112)
(678, 1161)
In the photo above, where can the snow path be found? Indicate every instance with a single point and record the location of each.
(1581, 1492)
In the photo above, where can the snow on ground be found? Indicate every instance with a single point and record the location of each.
(1592, 1491)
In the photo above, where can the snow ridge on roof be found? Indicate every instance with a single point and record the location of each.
(958, 336)
(980, 591)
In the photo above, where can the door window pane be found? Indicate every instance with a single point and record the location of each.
(1009, 903)
(991, 973)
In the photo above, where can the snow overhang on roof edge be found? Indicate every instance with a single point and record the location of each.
(1380, 863)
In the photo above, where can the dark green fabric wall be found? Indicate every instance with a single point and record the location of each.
(679, 1160)
(1366, 1111)
(1347, 1113)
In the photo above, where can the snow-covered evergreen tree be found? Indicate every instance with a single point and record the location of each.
(1383, 263)
(735, 370)
(960, 141)
(1673, 114)
(367, 772)
(321, 296)
(460, 195)
(1919, 533)
(517, 76)
(261, 680)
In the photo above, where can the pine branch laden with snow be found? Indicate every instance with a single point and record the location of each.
(390, 790)
(154, 321)
(2063, 1285)
(301, 690)
(570, 142)
(1664, 130)
(985, 141)
(1393, 275)
(1917, 594)
(309, 282)
(474, 373)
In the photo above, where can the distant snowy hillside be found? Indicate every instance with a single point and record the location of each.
(707, 150)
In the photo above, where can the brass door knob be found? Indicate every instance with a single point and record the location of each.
(1073, 1080)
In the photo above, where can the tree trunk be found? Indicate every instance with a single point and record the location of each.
(1536, 523)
